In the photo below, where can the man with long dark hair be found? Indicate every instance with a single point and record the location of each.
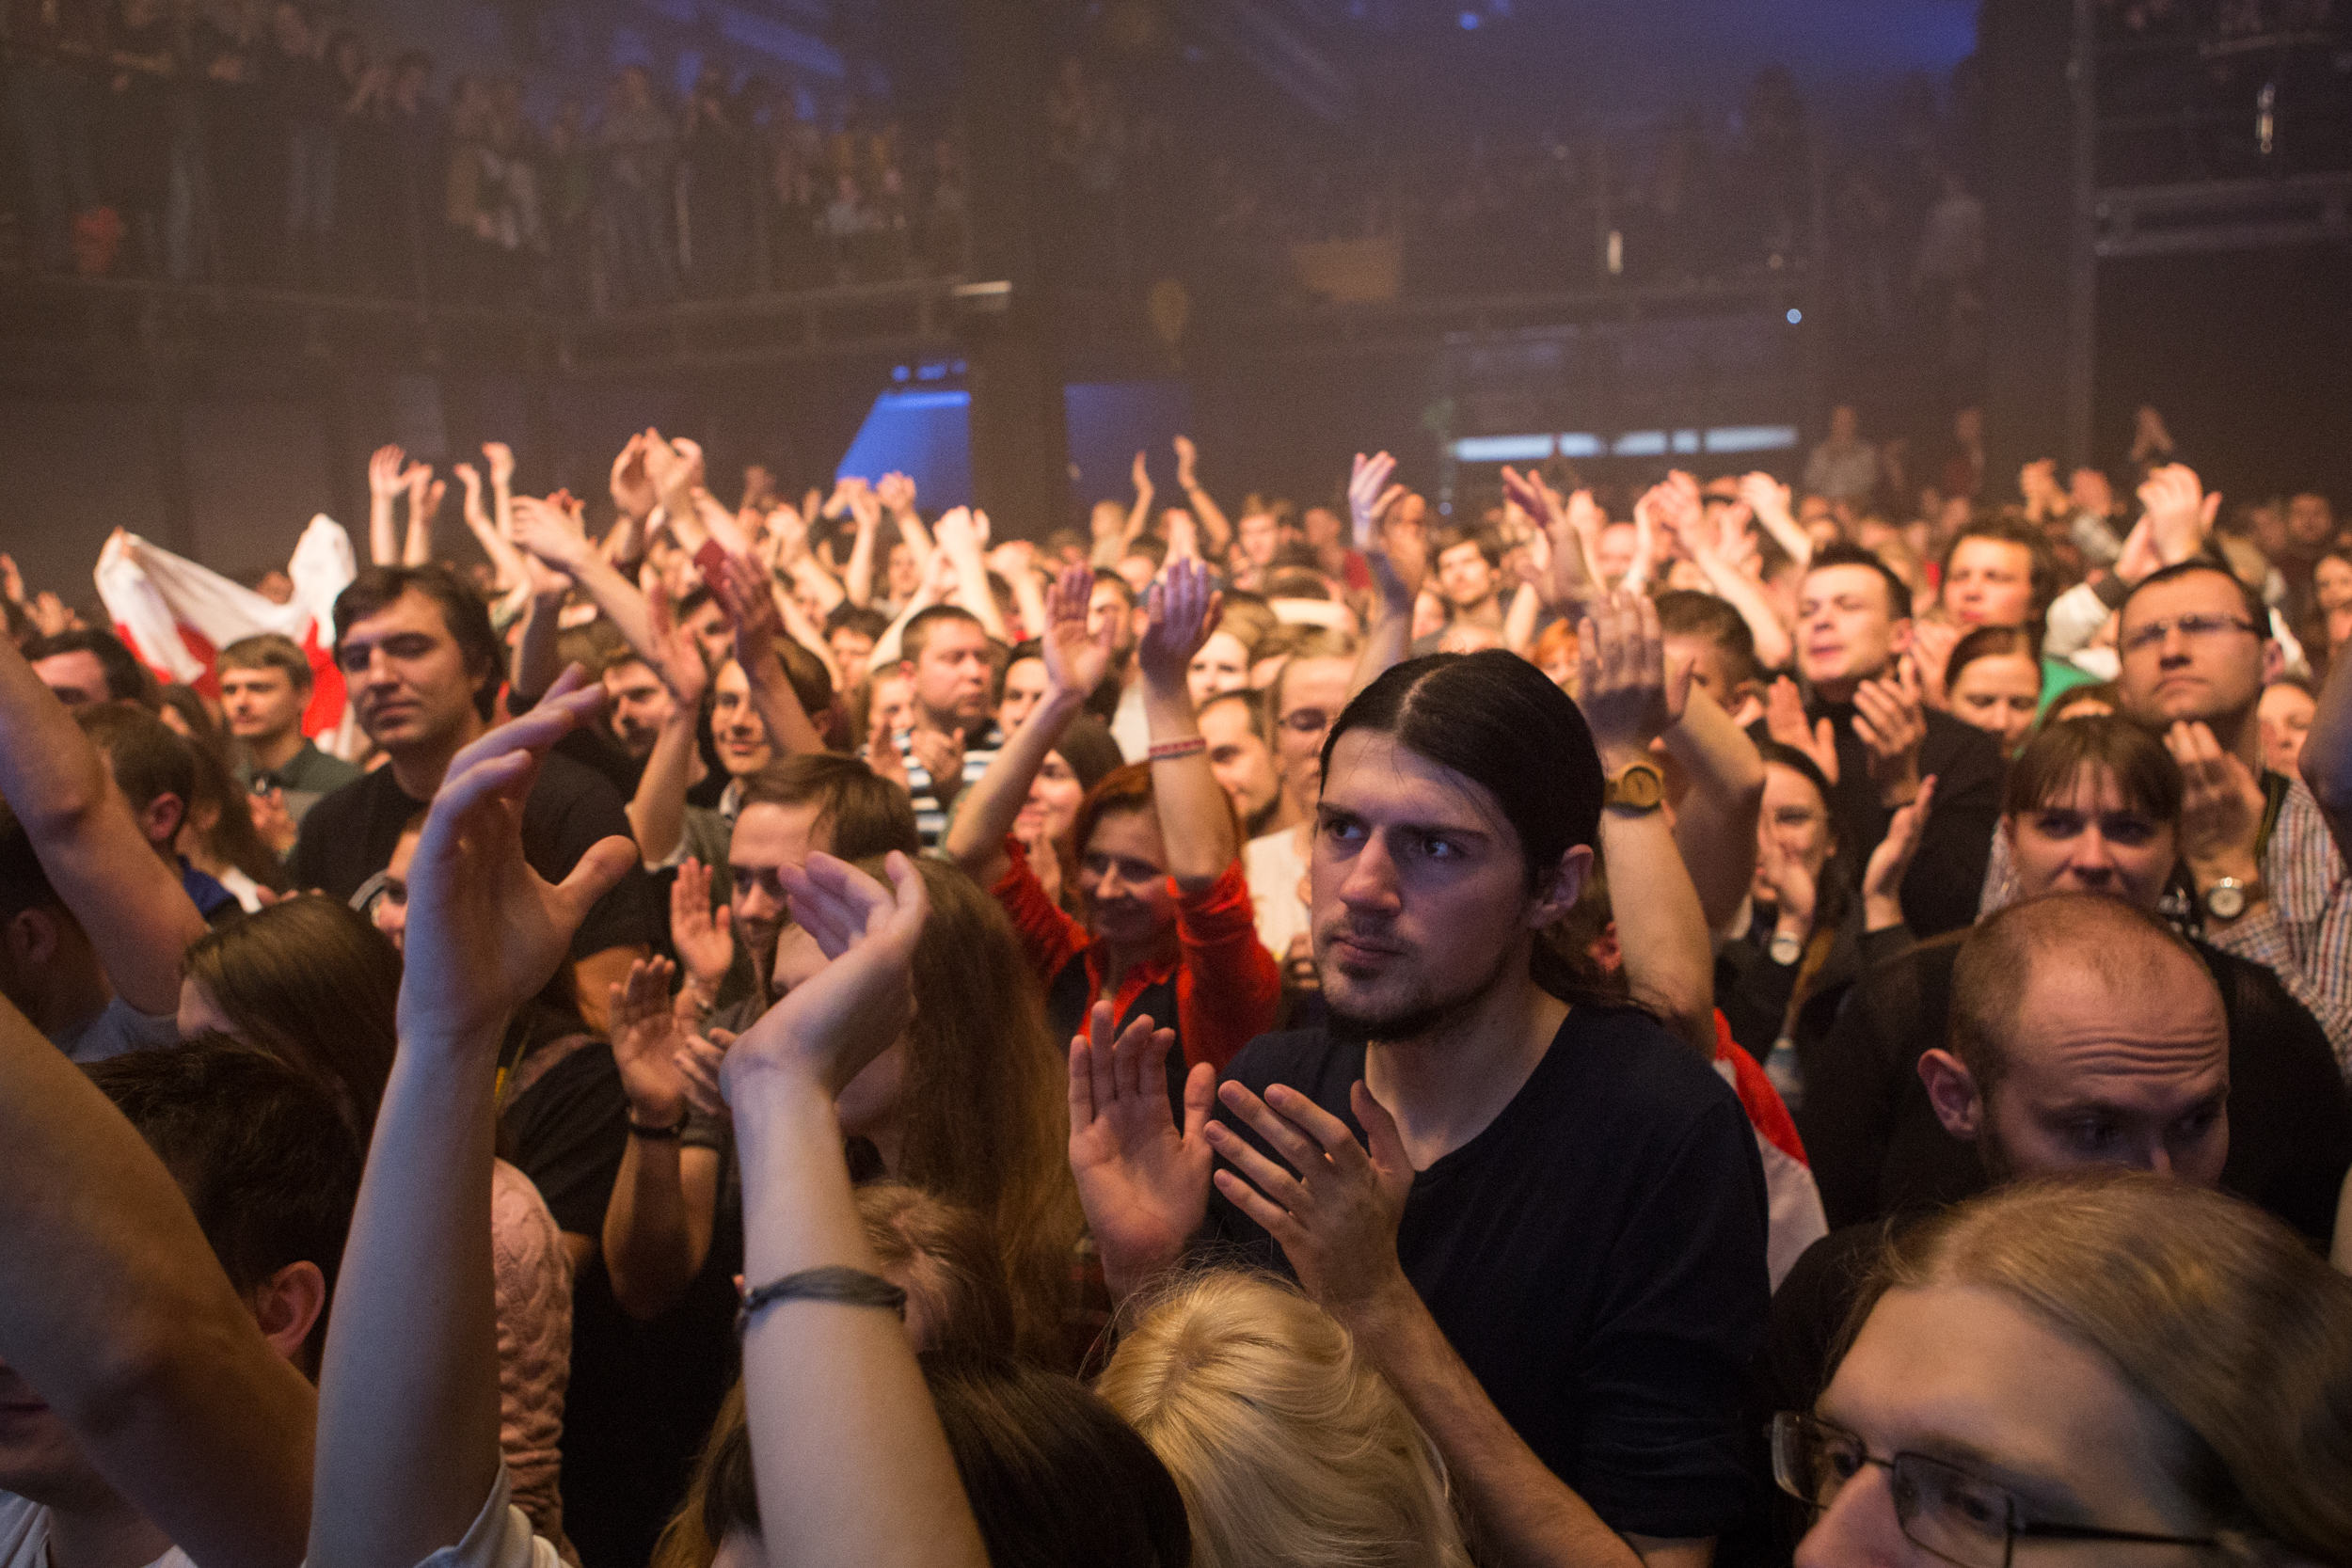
(1542, 1215)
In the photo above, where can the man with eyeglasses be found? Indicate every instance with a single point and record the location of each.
(421, 665)
(1306, 697)
(2259, 874)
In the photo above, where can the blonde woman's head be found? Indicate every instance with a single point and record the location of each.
(1290, 1447)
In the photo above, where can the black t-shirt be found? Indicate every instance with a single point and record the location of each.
(1595, 1257)
(567, 1130)
(350, 834)
(1877, 1146)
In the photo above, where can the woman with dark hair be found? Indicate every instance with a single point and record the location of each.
(1808, 931)
(1167, 928)
(1994, 681)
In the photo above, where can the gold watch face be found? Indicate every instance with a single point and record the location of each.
(1639, 786)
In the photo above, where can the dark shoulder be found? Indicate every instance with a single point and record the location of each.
(2265, 1016)
(1619, 1076)
(1949, 744)
(349, 804)
(571, 790)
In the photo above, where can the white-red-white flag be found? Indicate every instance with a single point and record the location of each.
(177, 616)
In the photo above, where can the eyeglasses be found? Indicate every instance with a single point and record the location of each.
(1941, 1509)
(2193, 628)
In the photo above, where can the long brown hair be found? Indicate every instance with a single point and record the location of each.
(311, 982)
(985, 1102)
(2223, 1323)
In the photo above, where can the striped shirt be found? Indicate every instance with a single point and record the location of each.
(931, 815)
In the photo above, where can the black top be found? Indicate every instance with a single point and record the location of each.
(568, 1129)
(1946, 875)
(1596, 1256)
(349, 836)
(1877, 1147)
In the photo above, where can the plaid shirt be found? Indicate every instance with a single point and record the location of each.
(2302, 933)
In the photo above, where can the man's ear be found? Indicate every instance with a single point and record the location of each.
(32, 937)
(1952, 1090)
(160, 818)
(1567, 885)
(1899, 636)
(2274, 661)
(288, 1305)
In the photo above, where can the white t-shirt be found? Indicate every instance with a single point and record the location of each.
(25, 1537)
(1275, 867)
(500, 1537)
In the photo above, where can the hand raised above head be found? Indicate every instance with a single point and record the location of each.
(1182, 609)
(486, 930)
(829, 1026)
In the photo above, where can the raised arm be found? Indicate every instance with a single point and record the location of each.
(425, 494)
(1196, 816)
(742, 589)
(858, 576)
(537, 661)
(114, 1309)
(1075, 663)
(129, 902)
(501, 460)
(387, 481)
(895, 495)
(656, 812)
(959, 538)
(408, 1413)
(847, 1451)
(658, 1225)
(1395, 543)
(1204, 507)
(1662, 929)
(1715, 826)
(545, 532)
(504, 556)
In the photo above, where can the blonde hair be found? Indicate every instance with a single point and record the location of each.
(2224, 1324)
(1291, 1450)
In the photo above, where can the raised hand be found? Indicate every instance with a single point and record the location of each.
(1622, 688)
(1767, 497)
(743, 594)
(677, 653)
(895, 493)
(1784, 720)
(501, 460)
(647, 1041)
(1333, 1204)
(700, 1060)
(387, 472)
(1931, 645)
(546, 530)
(2180, 513)
(2221, 806)
(1075, 659)
(484, 930)
(1143, 1182)
(1890, 717)
(632, 489)
(884, 756)
(11, 581)
(1795, 894)
(1183, 611)
(829, 1026)
(471, 477)
(1369, 496)
(1883, 878)
(702, 935)
(1188, 462)
(272, 822)
(1141, 474)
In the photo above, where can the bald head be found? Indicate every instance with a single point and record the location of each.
(2083, 1032)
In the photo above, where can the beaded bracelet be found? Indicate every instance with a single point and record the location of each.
(834, 1282)
(1168, 751)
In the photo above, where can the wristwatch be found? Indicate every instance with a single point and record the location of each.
(1786, 948)
(1641, 787)
(2228, 898)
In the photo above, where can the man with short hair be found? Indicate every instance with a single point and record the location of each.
(85, 666)
(1234, 724)
(1997, 573)
(1544, 1224)
(1714, 639)
(1470, 578)
(944, 652)
(199, 1446)
(264, 686)
(416, 646)
(157, 774)
(1865, 724)
(93, 920)
(1306, 695)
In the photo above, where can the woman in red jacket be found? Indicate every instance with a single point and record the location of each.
(1168, 929)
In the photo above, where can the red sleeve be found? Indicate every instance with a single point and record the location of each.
(1228, 985)
(1049, 937)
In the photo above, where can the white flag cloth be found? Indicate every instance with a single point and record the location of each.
(177, 616)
